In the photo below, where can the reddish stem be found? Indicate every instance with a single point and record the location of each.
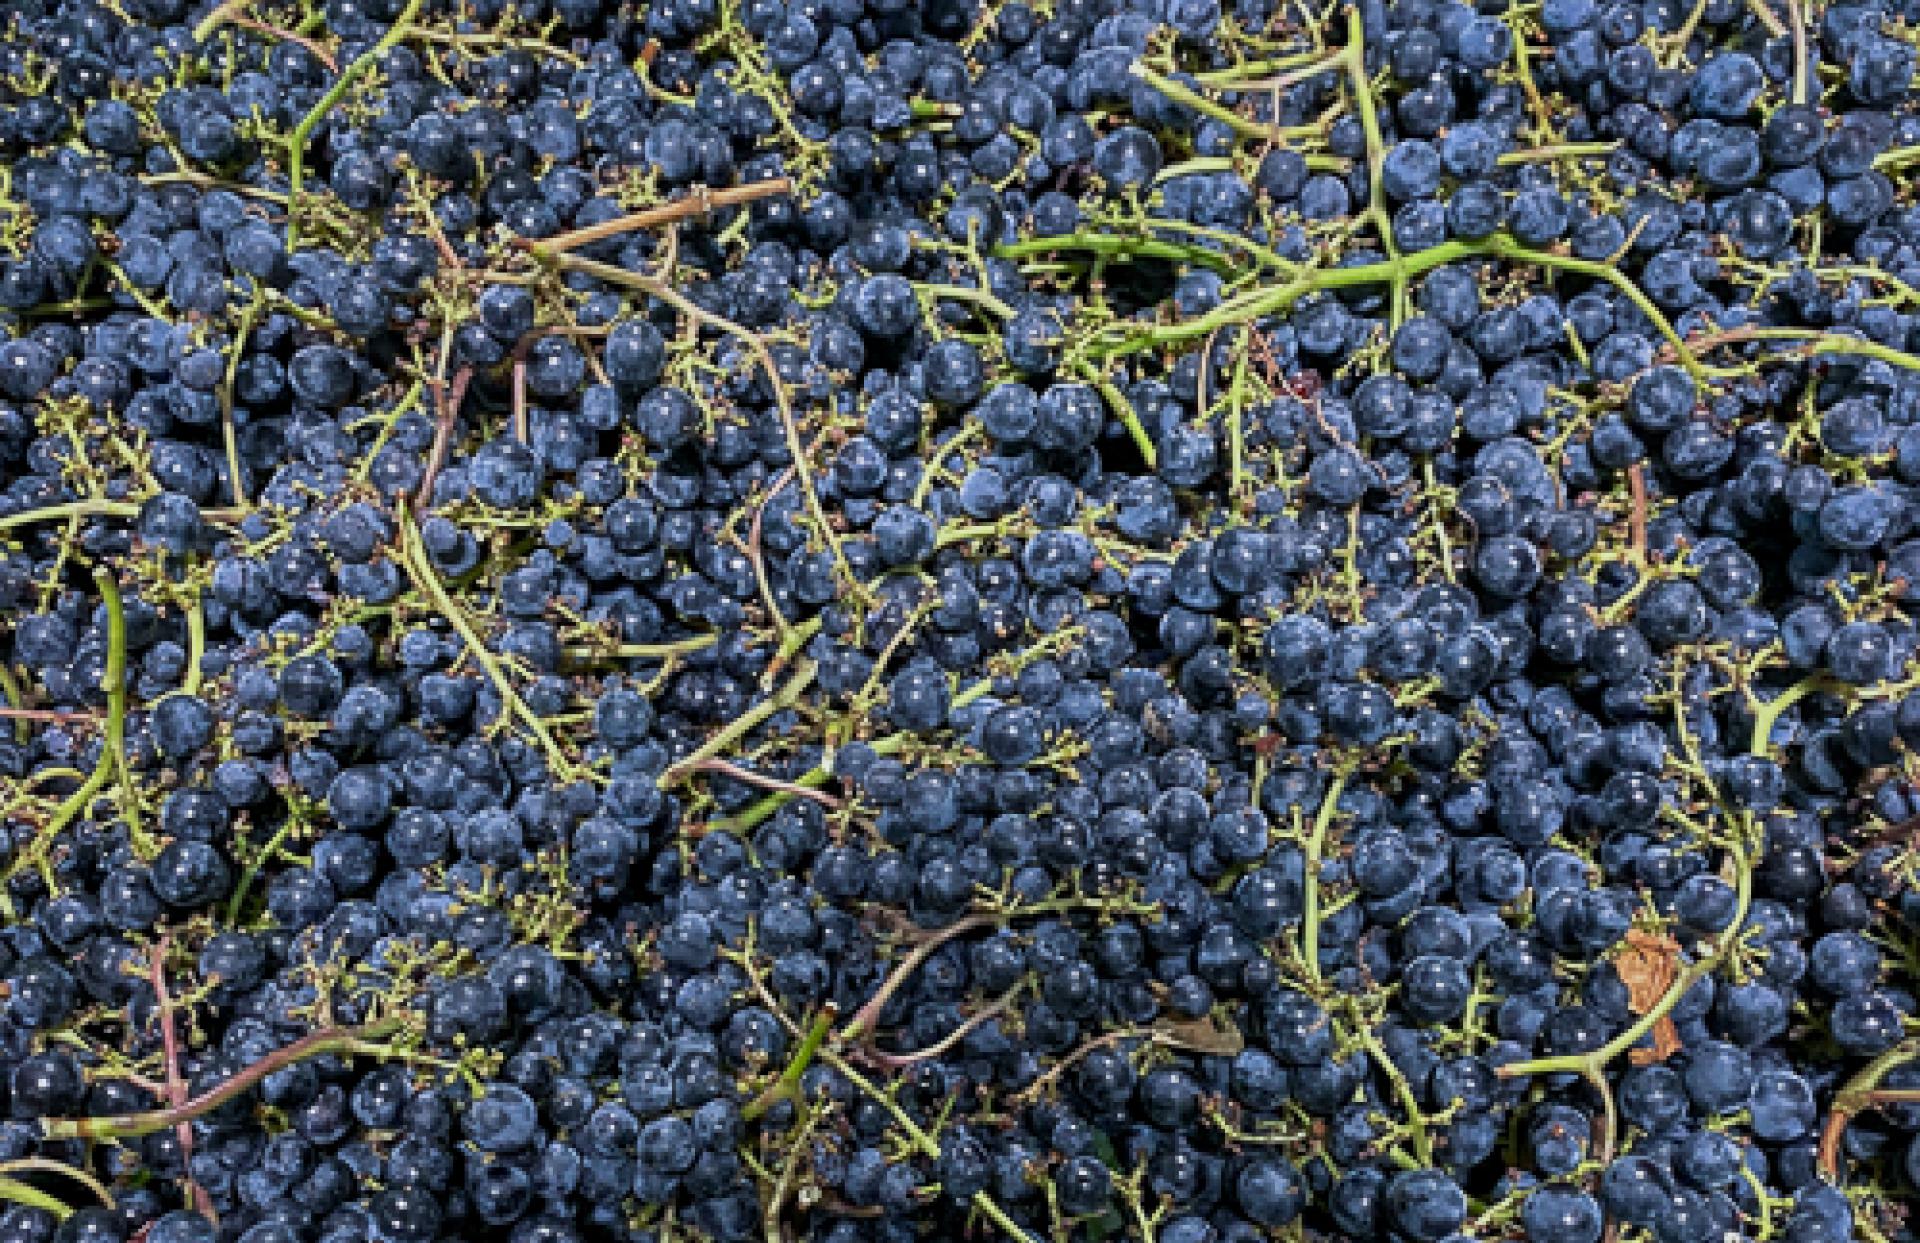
(727, 767)
(449, 402)
(46, 714)
(129, 1126)
(867, 1018)
(287, 36)
(1861, 1093)
(1637, 515)
(900, 1061)
(176, 1086)
(753, 549)
(520, 396)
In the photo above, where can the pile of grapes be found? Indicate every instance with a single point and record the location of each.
(892, 621)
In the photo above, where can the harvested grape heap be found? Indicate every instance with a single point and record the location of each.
(1190, 621)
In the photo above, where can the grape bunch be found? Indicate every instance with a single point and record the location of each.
(873, 621)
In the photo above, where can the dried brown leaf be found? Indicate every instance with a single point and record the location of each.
(1648, 964)
(1200, 1036)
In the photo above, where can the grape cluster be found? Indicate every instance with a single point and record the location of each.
(1188, 621)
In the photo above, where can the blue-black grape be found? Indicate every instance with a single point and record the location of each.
(865, 621)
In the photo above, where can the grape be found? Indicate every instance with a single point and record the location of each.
(869, 621)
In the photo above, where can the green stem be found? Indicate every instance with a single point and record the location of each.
(1768, 714)
(1898, 157)
(790, 428)
(303, 132)
(1257, 131)
(46, 1165)
(1594, 1063)
(1129, 418)
(643, 651)
(1859, 1093)
(1263, 254)
(1316, 845)
(962, 293)
(1836, 343)
(1506, 247)
(1397, 271)
(1558, 151)
(17, 1192)
(229, 433)
(388, 422)
(812, 779)
(927, 1144)
(72, 509)
(787, 1087)
(741, 725)
(1416, 1121)
(211, 22)
(937, 459)
(237, 904)
(196, 645)
(413, 560)
(114, 682)
(10, 686)
(1235, 79)
(1115, 244)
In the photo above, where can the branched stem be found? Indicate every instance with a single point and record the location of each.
(787, 1086)
(867, 1019)
(803, 467)
(176, 1086)
(112, 752)
(926, 1144)
(360, 1040)
(741, 725)
(1767, 715)
(1863, 1092)
(413, 559)
(303, 132)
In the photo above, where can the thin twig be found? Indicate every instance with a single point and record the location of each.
(757, 559)
(46, 714)
(302, 135)
(730, 769)
(1861, 1093)
(130, 1126)
(698, 202)
(994, 1008)
(1637, 515)
(287, 36)
(449, 400)
(520, 396)
(867, 1019)
(782, 400)
(176, 1086)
